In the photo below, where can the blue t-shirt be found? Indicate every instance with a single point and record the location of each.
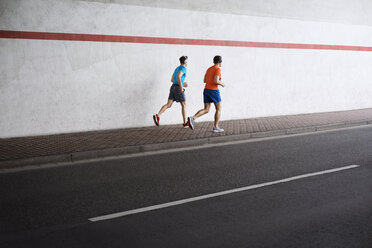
(179, 68)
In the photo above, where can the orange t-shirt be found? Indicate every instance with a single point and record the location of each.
(212, 71)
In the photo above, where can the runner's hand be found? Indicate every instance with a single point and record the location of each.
(185, 85)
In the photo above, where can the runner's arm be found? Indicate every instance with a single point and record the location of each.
(218, 81)
(172, 79)
(179, 75)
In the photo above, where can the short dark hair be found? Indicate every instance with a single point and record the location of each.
(217, 59)
(183, 59)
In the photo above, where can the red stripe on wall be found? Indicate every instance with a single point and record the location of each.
(173, 41)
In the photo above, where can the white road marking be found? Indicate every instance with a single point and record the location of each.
(198, 198)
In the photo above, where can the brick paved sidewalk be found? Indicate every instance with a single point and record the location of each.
(75, 146)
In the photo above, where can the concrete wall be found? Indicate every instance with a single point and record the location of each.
(49, 86)
(339, 11)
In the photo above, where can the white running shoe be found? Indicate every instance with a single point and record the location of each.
(218, 130)
(191, 120)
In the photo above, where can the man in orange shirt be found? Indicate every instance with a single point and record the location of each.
(212, 80)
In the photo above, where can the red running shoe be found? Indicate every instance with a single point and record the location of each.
(156, 119)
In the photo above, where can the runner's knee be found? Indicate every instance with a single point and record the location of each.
(218, 107)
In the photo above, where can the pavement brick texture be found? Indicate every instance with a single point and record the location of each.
(48, 145)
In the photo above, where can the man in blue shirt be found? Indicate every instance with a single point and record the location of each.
(177, 92)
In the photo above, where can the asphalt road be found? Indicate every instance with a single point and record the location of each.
(52, 207)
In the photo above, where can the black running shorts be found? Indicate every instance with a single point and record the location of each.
(175, 94)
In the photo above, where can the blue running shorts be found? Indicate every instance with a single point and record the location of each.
(211, 96)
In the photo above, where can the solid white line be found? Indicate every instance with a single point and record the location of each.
(198, 198)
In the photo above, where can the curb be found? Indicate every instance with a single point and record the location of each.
(112, 152)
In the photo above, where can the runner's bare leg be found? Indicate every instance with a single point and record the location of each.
(217, 115)
(183, 106)
(203, 111)
(165, 107)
